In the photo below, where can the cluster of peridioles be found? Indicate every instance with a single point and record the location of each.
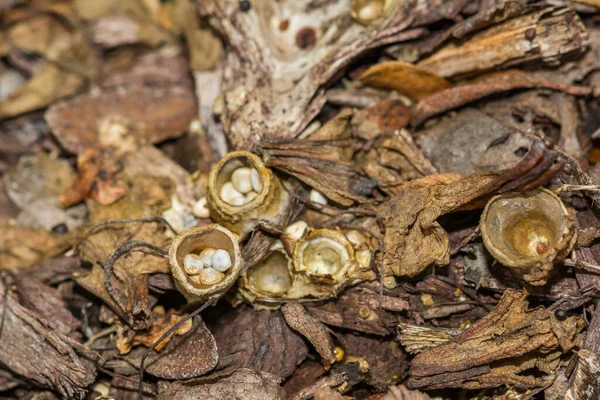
(242, 193)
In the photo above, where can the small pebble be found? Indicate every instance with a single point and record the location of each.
(317, 197)
(193, 264)
(255, 181)
(201, 209)
(221, 260)
(296, 230)
(241, 180)
(210, 276)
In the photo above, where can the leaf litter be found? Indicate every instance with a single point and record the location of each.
(406, 206)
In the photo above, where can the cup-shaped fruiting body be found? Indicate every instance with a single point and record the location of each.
(322, 262)
(205, 262)
(242, 192)
(325, 255)
(528, 231)
(270, 277)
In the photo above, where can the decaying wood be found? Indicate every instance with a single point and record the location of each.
(550, 35)
(475, 359)
(32, 350)
(273, 86)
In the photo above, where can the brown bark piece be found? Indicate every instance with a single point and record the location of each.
(498, 348)
(30, 349)
(258, 340)
(311, 328)
(243, 384)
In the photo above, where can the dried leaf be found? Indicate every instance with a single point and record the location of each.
(244, 384)
(259, 340)
(385, 359)
(23, 247)
(385, 116)
(497, 349)
(414, 239)
(94, 178)
(492, 83)
(184, 357)
(395, 161)
(127, 293)
(403, 393)
(410, 80)
(316, 333)
(125, 119)
(325, 382)
(160, 325)
(35, 184)
(71, 62)
(31, 349)
(472, 141)
(311, 162)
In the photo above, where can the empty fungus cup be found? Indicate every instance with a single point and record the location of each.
(529, 232)
(325, 255)
(242, 192)
(270, 277)
(194, 241)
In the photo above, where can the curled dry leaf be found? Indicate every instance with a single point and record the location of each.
(319, 164)
(244, 384)
(125, 118)
(308, 326)
(497, 349)
(492, 83)
(383, 116)
(33, 350)
(414, 239)
(410, 80)
(395, 161)
(258, 340)
(126, 292)
(160, 325)
(95, 177)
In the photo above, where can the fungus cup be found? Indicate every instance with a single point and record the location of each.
(529, 232)
(243, 192)
(194, 242)
(323, 262)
